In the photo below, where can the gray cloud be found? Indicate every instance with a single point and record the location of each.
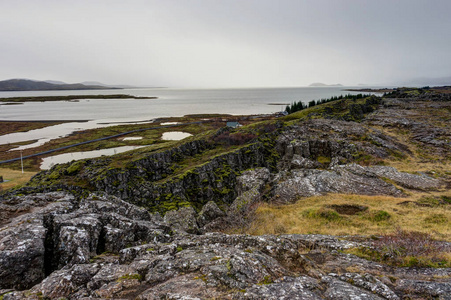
(225, 43)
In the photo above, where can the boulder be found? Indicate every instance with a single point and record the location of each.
(209, 213)
(183, 219)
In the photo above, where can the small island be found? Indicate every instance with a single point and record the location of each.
(319, 84)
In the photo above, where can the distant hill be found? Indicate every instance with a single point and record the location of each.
(31, 85)
(122, 86)
(319, 84)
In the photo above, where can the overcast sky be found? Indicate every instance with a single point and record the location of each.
(227, 43)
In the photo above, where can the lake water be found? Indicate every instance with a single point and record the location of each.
(170, 103)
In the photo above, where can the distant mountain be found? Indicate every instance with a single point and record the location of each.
(53, 81)
(31, 85)
(319, 84)
(122, 86)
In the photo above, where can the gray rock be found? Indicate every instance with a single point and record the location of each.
(251, 179)
(54, 235)
(369, 283)
(23, 254)
(348, 179)
(337, 289)
(209, 213)
(183, 219)
(287, 288)
(411, 181)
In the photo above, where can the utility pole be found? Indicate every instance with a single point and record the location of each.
(21, 160)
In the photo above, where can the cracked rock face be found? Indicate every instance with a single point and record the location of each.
(67, 232)
(102, 247)
(348, 179)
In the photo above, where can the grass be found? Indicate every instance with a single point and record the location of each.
(15, 178)
(384, 215)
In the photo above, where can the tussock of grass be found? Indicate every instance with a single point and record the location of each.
(384, 215)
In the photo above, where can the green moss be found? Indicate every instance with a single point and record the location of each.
(4, 294)
(130, 277)
(323, 159)
(201, 277)
(215, 258)
(75, 168)
(266, 280)
(229, 265)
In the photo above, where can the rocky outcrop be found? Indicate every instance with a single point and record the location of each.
(102, 247)
(149, 183)
(59, 231)
(183, 219)
(348, 179)
(209, 213)
(408, 115)
(325, 143)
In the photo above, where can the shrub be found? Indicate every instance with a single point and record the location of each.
(238, 138)
(412, 249)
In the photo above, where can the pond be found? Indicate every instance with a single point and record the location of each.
(175, 135)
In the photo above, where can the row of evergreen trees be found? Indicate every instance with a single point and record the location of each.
(297, 106)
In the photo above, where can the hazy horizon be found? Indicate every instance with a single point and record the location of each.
(220, 44)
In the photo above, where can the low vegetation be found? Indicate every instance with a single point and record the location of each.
(404, 248)
(382, 215)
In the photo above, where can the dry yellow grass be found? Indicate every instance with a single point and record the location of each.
(313, 215)
(14, 178)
